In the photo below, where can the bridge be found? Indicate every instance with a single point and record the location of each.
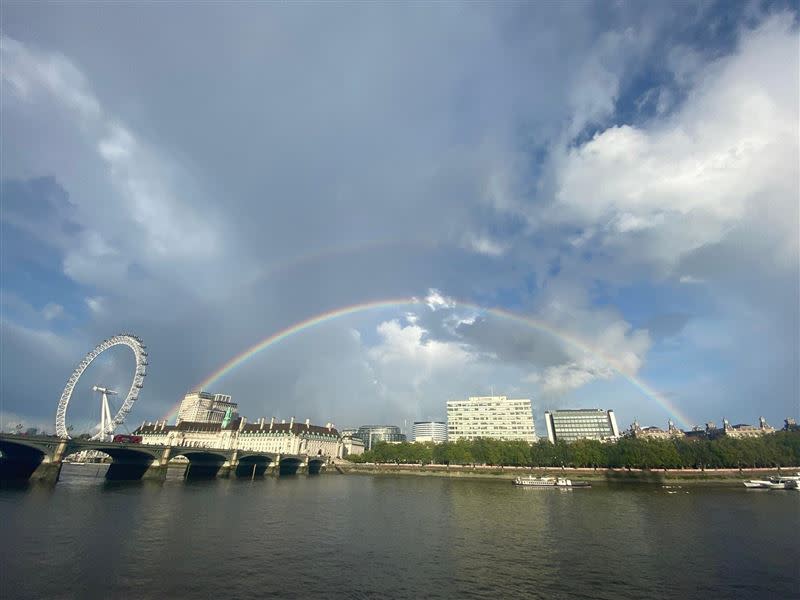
(40, 458)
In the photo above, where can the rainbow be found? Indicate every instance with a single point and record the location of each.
(536, 324)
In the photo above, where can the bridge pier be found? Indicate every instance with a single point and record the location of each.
(29, 461)
(156, 472)
(46, 472)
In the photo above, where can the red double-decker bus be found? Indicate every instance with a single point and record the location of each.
(127, 439)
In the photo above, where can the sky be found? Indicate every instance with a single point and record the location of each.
(585, 204)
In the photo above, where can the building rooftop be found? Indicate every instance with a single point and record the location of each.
(296, 428)
(235, 424)
(566, 410)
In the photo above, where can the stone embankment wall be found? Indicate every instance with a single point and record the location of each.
(610, 475)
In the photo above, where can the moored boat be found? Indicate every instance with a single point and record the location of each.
(789, 482)
(560, 482)
(757, 484)
(785, 482)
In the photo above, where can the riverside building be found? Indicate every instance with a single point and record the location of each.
(429, 431)
(261, 435)
(202, 407)
(490, 417)
(372, 434)
(350, 446)
(655, 433)
(743, 430)
(581, 424)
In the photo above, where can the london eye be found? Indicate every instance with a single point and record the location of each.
(107, 425)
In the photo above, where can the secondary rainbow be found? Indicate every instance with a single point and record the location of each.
(543, 326)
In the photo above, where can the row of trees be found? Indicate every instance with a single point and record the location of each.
(778, 449)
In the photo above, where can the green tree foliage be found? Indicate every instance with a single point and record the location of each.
(779, 449)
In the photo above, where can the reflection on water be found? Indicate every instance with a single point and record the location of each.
(374, 537)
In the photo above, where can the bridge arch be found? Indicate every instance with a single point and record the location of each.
(253, 465)
(315, 464)
(128, 462)
(204, 463)
(20, 459)
(289, 465)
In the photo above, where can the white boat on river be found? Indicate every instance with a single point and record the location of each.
(787, 482)
(757, 484)
(560, 482)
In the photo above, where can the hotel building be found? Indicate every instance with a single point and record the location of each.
(429, 431)
(202, 407)
(490, 417)
(582, 423)
(261, 435)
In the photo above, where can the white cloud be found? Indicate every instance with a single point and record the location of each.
(609, 344)
(52, 311)
(30, 74)
(143, 209)
(563, 378)
(415, 373)
(596, 83)
(676, 184)
(435, 300)
(485, 245)
(407, 344)
(96, 304)
(606, 343)
(691, 279)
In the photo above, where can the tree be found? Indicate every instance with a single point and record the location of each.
(779, 449)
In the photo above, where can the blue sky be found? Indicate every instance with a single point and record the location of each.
(626, 173)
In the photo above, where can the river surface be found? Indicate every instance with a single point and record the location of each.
(363, 536)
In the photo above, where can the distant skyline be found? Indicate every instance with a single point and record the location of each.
(354, 213)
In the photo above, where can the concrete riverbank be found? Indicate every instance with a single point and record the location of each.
(727, 476)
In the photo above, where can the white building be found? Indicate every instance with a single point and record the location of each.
(351, 445)
(202, 407)
(582, 423)
(490, 417)
(429, 431)
(655, 433)
(262, 435)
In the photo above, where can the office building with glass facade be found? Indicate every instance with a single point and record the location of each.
(372, 434)
(582, 423)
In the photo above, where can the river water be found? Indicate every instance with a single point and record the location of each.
(362, 536)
